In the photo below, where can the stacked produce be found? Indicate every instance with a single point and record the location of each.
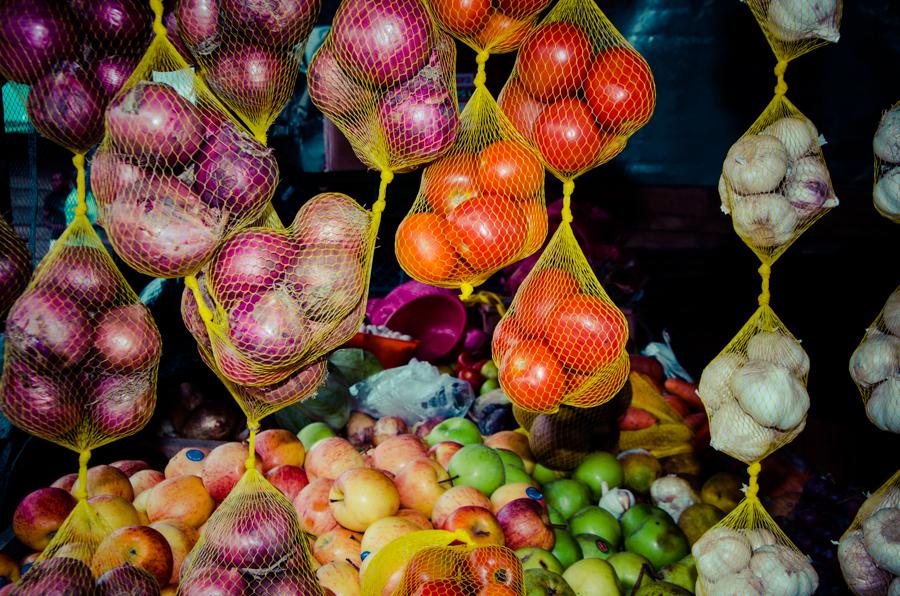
(488, 27)
(15, 267)
(875, 367)
(886, 145)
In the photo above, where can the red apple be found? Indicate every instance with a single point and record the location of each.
(496, 566)
(421, 429)
(340, 577)
(416, 517)
(509, 492)
(453, 499)
(525, 523)
(395, 452)
(188, 461)
(444, 451)
(182, 498)
(214, 581)
(289, 479)
(313, 508)
(106, 480)
(478, 522)
(65, 482)
(40, 515)
(362, 496)
(286, 584)
(330, 457)
(361, 430)
(181, 538)
(277, 447)
(430, 565)
(145, 479)
(254, 540)
(389, 426)
(420, 483)
(339, 544)
(441, 587)
(224, 467)
(140, 546)
(130, 466)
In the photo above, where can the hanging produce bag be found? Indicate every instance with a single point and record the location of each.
(175, 174)
(886, 145)
(488, 27)
(249, 52)
(15, 267)
(867, 550)
(875, 367)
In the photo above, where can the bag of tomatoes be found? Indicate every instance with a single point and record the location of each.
(488, 27)
(480, 207)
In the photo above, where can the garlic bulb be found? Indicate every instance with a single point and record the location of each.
(673, 495)
(875, 359)
(887, 194)
(797, 133)
(770, 394)
(765, 220)
(891, 314)
(734, 432)
(724, 198)
(714, 388)
(881, 533)
(808, 187)
(759, 537)
(793, 20)
(859, 570)
(886, 142)
(883, 407)
(755, 164)
(778, 348)
(784, 571)
(617, 500)
(720, 552)
(743, 583)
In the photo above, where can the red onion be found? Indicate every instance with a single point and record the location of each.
(346, 329)
(248, 263)
(269, 328)
(332, 90)
(113, 71)
(252, 78)
(116, 579)
(126, 338)
(49, 327)
(211, 421)
(198, 24)
(84, 274)
(173, 33)
(332, 220)
(278, 23)
(66, 106)
(236, 368)
(384, 42)
(15, 268)
(152, 122)
(327, 284)
(37, 403)
(213, 581)
(34, 35)
(253, 541)
(57, 575)
(298, 386)
(285, 584)
(116, 22)
(122, 404)
(111, 174)
(190, 314)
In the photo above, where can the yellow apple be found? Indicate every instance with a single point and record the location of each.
(183, 498)
(453, 499)
(115, 511)
(362, 496)
(384, 531)
(420, 483)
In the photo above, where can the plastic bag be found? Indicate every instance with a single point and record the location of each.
(886, 144)
(249, 52)
(15, 267)
(875, 367)
(669, 436)
(488, 27)
(413, 392)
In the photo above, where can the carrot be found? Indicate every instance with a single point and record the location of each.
(647, 365)
(678, 404)
(636, 419)
(684, 390)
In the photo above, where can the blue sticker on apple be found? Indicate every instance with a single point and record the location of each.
(363, 555)
(534, 493)
(194, 455)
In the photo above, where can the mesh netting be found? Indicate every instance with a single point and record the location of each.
(494, 27)
(669, 436)
(886, 145)
(15, 267)
(249, 51)
(865, 550)
(875, 367)
(795, 28)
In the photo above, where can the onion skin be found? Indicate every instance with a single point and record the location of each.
(127, 340)
(252, 78)
(297, 387)
(332, 221)
(248, 263)
(48, 327)
(327, 285)
(66, 106)
(174, 36)
(344, 331)
(332, 90)
(269, 329)
(34, 35)
(15, 268)
(198, 24)
(190, 314)
(235, 367)
(113, 71)
(111, 174)
(84, 274)
(36, 403)
(116, 22)
(122, 404)
(279, 23)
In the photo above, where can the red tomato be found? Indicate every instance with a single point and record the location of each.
(521, 109)
(554, 60)
(521, 8)
(495, 567)
(507, 334)
(540, 294)
(448, 182)
(441, 587)
(620, 91)
(423, 249)
(586, 333)
(503, 33)
(568, 138)
(587, 391)
(536, 219)
(487, 231)
(508, 169)
(532, 377)
(462, 17)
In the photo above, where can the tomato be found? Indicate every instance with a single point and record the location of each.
(503, 33)
(448, 182)
(422, 248)
(540, 294)
(507, 334)
(495, 567)
(568, 138)
(532, 377)
(521, 8)
(586, 333)
(487, 231)
(441, 587)
(521, 109)
(620, 91)
(554, 60)
(587, 391)
(509, 169)
(462, 17)
(536, 219)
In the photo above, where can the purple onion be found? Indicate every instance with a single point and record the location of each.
(255, 540)
(198, 24)
(344, 331)
(190, 314)
(122, 404)
(116, 22)
(128, 578)
(285, 584)
(236, 367)
(173, 34)
(249, 263)
(48, 327)
(298, 386)
(37, 403)
(213, 581)
(15, 268)
(269, 328)
(66, 105)
(253, 79)
(112, 174)
(126, 339)
(82, 273)
(332, 90)
(327, 284)
(113, 71)
(34, 35)
(58, 575)
(332, 221)
(276, 23)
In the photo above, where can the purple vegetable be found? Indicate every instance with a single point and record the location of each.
(37, 403)
(34, 35)
(332, 90)
(174, 35)
(49, 327)
(113, 71)
(298, 386)
(15, 267)
(118, 23)
(269, 328)
(122, 404)
(126, 339)
(278, 23)
(82, 273)
(198, 24)
(66, 105)
(249, 263)
(253, 79)
(326, 283)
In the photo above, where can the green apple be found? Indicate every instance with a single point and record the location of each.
(538, 558)
(461, 430)
(661, 542)
(632, 519)
(514, 474)
(681, 573)
(652, 587)
(477, 466)
(488, 386)
(565, 548)
(599, 522)
(489, 370)
(592, 577)
(510, 458)
(544, 475)
(314, 432)
(628, 567)
(597, 468)
(567, 496)
(640, 470)
(722, 490)
(539, 582)
(594, 547)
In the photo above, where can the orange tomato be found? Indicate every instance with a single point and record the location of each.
(422, 248)
(508, 169)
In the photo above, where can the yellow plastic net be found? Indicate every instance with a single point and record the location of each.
(864, 551)
(875, 367)
(494, 27)
(886, 145)
(747, 553)
(669, 436)
(480, 207)
(249, 52)
(795, 28)
(175, 173)
(15, 267)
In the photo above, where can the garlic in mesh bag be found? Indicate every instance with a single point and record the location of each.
(15, 267)
(875, 367)
(886, 144)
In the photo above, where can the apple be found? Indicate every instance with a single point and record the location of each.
(126, 579)
(592, 577)
(597, 468)
(421, 521)
(214, 581)
(313, 508)
(479, 523)
(423, 427)
(538, 558)
(636, 515)
(115, 511)
(314, 432)
(278, 447)
(544, 475)
(628, 567)
(477, 466)
(510, 458)
(495, 566)
(330, 457)
(639, 471)
(384, 531)
(660, 542)
(254, 540)
(76, 550)
(512, 474)
(181, 538)
(183, 498)
(594, 547)
(387, 427)
(510, 492)
(525, 523)
(106, 480)
(395, 452)
(224, 467)
(9, 569)
(289, 479)
(140, 546)
(459, 430)
(39, 516)
(140, 505)
(722, 490)
(444, 451)
(420, 482)
(565, 548)
(145, 479)
(361, 496)
(539, 582)
(567, 496)
(187, 462)
(599, 522)
(361, 430)
(339, 544)
(130, 466)
(340, 577)
(65, 482)
(515, 442)
(453, 499)
(59, 575)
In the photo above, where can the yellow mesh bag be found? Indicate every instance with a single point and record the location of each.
(252, 544)
(669, 436)
(794, 28)
(480, 207)
(886, 145)
(15, 267)
(875, 367)
(249, 52)
(488, 27)
(562, 339)
(174, 173)
(747, 553)
(864, 549)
